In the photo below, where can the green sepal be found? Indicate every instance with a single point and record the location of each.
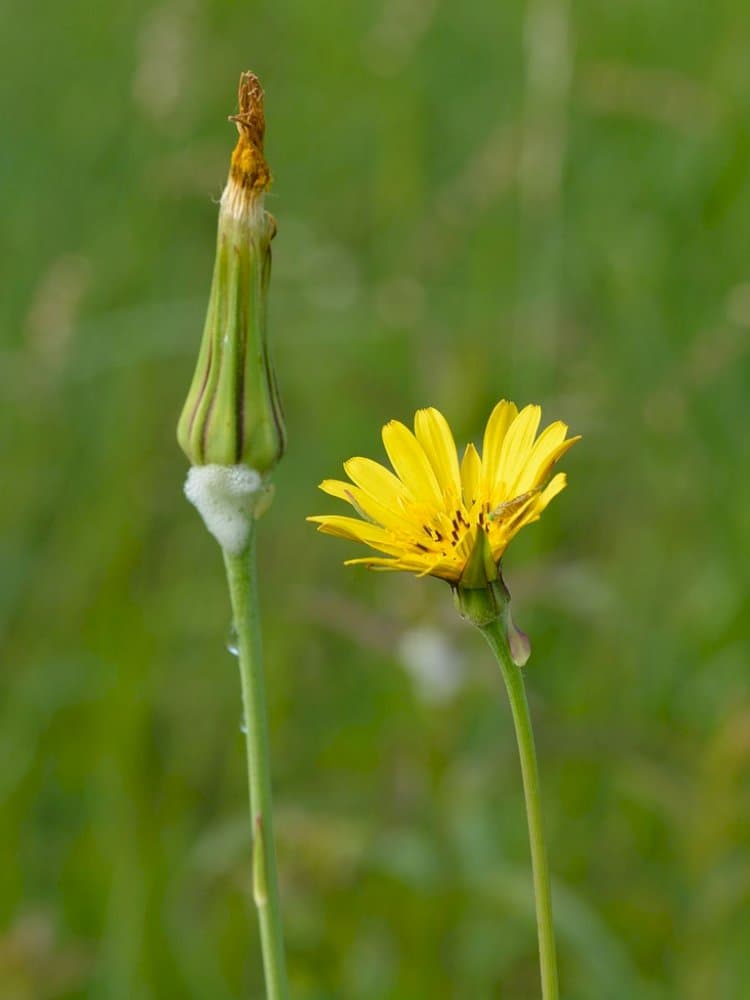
(480, 568)
(482, 598)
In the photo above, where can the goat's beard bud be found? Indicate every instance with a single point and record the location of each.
(232, 415)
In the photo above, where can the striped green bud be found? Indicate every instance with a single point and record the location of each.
(232, 415)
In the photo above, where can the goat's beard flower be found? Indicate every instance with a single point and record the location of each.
(434, 516)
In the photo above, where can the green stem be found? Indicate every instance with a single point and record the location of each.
(495, 634)
(243, 589)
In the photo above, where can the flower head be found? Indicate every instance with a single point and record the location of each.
(433, 515)
(232, 415)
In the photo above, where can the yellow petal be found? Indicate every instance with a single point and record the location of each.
(528, 512)
(340, 490)
(548, 449)
(375, 562)
(379, 562)
(357, 531)
(555, 457)
(502, 529)
(409, 460)
(367, 508)
(529, 473)
(471, 475)
(497, 426)
(376, 480)
(422, 567)
(514, 452)
(556, 485)
(433, 433)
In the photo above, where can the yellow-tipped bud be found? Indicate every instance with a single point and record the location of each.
(232, 415)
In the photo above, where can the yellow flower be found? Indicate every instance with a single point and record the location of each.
(428, 516)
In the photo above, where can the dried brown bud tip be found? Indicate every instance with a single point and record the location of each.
(249, 169)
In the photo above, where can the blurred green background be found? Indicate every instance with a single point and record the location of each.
(543, 201)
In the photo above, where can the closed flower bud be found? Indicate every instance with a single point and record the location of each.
(232, 415)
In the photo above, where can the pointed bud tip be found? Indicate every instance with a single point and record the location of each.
(480, 568)
(249, 169)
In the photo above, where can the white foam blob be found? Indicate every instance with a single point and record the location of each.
(226, 497)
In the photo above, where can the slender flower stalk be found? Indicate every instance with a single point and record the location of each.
(435, 516)
(497, 639)
(232, 431)
(243, 589)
